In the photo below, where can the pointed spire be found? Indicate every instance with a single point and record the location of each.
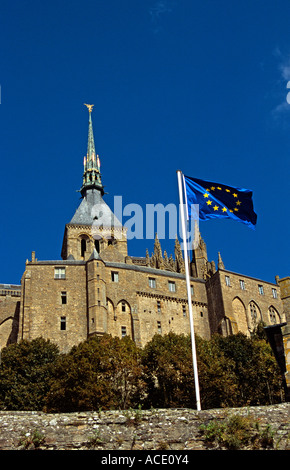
(220, 262)
(92, 174)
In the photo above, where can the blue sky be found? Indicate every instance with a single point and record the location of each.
(199, 86)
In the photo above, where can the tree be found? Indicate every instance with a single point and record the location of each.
(102, 372)
(257, 372)
(25, 374)
(217, 378)
(167, 364)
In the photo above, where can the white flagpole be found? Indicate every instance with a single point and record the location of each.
(181, 199)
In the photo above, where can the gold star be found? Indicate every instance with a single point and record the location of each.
(238, 203)
(224, 209)
(219, 188)
(212, 188)
(205, 195)
(231, 210)
(215, 208)
(227, 190)
(235, 195)
(235, 209)
(208, 190)
(209, 202)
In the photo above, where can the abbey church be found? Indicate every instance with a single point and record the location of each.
(97, 287)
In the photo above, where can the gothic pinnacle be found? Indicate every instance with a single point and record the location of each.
(92, 174)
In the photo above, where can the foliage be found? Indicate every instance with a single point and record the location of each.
(101, 373)
(167, 367)
(112, 373)
(32, 440)
(25, 373)
(237, 432)
(256, 370)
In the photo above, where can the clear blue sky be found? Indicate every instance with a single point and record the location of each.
(198, 86)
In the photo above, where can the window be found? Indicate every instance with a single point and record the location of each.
(123, 306)
(158, 306)
(63, 298)
(115, 276)
(261, 289)
(63, 323)
(171, 286)
(97, 245)
(253, 310)
(228, 281)
(274, 292)
(83, 247)
(159, 329)
(123, 331)
(152, 282)
(184, 310)
(272, 314)
(59, 273)
(191, 290)
(242, 284)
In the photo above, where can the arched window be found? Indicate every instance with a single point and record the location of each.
(97, 245)
(274, 315)
(254, 315)
(83, 247)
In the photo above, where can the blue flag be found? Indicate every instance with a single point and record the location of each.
(218, 201)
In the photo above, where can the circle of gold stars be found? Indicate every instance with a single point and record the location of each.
(224, 209)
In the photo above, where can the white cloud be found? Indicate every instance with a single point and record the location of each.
(283, 108)
(159, 8)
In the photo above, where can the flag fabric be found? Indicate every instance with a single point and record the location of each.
(219, 201)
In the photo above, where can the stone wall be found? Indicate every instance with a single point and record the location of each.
(148, 430)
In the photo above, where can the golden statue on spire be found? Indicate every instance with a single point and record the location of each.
(89, 106)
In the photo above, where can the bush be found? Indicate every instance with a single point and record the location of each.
(25, 374)
(100, 373)
(112, 373)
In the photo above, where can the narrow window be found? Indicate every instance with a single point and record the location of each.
(59, 273)
(171, 286)
(261, 289)
(158, 306)
(63, 298)
(123, 331)
(274, 292)
(123, 306)
(63, 323)
(97, 245)
(191, 290)
(83, 247)
(184, 310)
(115, 276)
(228, 281)
(152, 282)
(242, 284)
(159, 329)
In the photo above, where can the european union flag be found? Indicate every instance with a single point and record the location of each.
(218, 201)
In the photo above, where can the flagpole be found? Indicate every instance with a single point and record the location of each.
(181, 199)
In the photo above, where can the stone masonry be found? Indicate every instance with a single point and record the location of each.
(168, 430)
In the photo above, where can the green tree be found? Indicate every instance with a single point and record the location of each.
(25, 374)
(217, 378)
(102, 372)
(257, 372)
(168, 372)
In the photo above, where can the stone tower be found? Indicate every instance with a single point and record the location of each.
(93, 226)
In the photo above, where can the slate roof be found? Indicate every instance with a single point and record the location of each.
(94, 210)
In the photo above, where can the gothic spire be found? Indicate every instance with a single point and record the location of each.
(92, 174)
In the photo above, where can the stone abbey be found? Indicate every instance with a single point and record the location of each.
(97, 287)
